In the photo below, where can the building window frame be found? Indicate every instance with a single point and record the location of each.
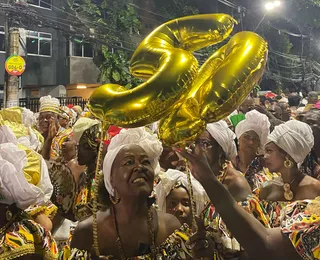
(71, 51)
(2, 32)
(39, 5)
(40, 36)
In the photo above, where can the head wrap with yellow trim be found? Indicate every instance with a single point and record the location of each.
(87, 129)
(24, 177)
(49, 104)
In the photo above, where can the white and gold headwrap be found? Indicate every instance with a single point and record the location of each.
(173, 178)
(139, 136)
(49, 104)
(24, 177)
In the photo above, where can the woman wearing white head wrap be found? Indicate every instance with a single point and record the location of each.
(225, 138)
(298, 236)
(287, 147)
(24, 181)
(139, 136)
(218, 142)
(173, 196)
(129, 171)
(217, 145)
(252, 135)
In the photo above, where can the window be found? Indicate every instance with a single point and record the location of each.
(39, 43)
(2, 40)
(41, 3)
(81, 49)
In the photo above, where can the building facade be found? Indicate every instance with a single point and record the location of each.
(54, 64)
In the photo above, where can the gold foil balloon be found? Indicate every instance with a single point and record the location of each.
(223, 82)
(165, 60)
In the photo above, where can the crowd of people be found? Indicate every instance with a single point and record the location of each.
(253, 192)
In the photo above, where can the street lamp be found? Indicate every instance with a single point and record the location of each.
(269, 6)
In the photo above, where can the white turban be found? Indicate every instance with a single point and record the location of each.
(167, 184)
(14, 187)
(257, 122)
(225, 138)
(295, 138)
(139, 136)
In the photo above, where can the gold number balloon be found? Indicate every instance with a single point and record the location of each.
(223, 82)
(164, 59)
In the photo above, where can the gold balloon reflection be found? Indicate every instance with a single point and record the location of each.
(222, 84)
(165, 60)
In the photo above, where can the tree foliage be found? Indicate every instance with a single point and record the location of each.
(111, 24)
(176, 8)
(115, 68)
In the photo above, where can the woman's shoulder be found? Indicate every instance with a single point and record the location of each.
(83, 230)
(167, 224)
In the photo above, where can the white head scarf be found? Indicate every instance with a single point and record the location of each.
(225, 138)
(295, 138)
(14, 187)
(28, 117)
(168, 182)
(256, 122)
(139, 136)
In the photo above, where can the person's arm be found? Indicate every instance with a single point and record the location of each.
(258, 241)
(45, 152)
(237, 185)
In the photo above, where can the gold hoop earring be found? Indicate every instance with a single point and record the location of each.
(115, 200)
(288, 163)
(9, 215)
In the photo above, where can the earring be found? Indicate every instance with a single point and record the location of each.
(9, 215)
(288, 163)
(114, 200)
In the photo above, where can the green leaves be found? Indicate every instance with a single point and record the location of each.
(116, 76)
(113, 22)
(115, 68)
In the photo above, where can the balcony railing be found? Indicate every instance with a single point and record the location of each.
(34, 104)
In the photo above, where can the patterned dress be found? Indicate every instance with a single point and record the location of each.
(73, 200)
(300, 221)
(26, 237)
(174, 248)
(58, 140)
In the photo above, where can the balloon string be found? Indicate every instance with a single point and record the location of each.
(192, 201)
(96, 187)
